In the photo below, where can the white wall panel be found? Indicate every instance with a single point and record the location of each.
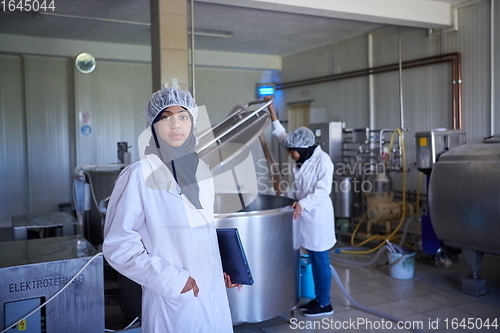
(311, 63)
(222, 89)
(115, 96)
(472, 40)
(13, 171)
(350, 54)
(47, 132)
(343, 99)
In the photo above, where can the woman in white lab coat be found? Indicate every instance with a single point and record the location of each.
(313, 208)
(159, 229)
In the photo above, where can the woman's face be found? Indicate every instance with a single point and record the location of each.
(174, 126)
(294, 155)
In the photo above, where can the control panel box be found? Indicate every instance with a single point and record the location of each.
(431, 144)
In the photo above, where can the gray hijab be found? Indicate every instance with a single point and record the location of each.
(182, 161)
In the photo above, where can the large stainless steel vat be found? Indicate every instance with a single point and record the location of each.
(266, 229)
(464, 197)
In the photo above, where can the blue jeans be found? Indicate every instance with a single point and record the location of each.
(322, 276)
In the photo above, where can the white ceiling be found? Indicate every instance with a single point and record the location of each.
(272, 27)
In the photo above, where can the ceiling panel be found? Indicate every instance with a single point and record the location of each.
(127, 21)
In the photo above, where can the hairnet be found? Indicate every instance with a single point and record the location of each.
(302, 137)
(166, 97)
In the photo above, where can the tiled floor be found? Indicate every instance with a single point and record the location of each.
(431, 298)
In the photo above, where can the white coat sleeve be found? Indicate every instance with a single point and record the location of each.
(123, 248)
(323, 186)
(279, 131)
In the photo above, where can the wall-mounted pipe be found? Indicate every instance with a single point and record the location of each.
(454, 59)
(371, 84)
(492, 71)
(193, 79)
(400, 72)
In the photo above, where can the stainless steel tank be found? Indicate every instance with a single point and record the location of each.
(266, 229)
(344, 196)
(464, 197)
(264, 222)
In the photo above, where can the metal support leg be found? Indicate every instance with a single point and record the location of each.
(473, 285)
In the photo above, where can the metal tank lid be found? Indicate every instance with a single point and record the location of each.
(440, 132)
(228, 141)
(472, 151)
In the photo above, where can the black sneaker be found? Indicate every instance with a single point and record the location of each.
(309, 305)
(318, 311)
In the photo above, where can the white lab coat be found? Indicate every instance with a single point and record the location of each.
(312, 186)
(157, 238)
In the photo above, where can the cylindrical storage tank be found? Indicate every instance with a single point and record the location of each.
(343, 196)
(266, 229)
(464, 197)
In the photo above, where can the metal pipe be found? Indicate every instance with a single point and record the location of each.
(459, 91)
(492, 71)
(453, 58)
(193, 84)
(367, 71)
(454, 86)
(400, 68)
(371, 84)
(381, 140)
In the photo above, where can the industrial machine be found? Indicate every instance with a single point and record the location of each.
(363, 159)
(92, 185)
(49, 271)
(463, 204)
(430, 145)
(381, 208)
(329, 137)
